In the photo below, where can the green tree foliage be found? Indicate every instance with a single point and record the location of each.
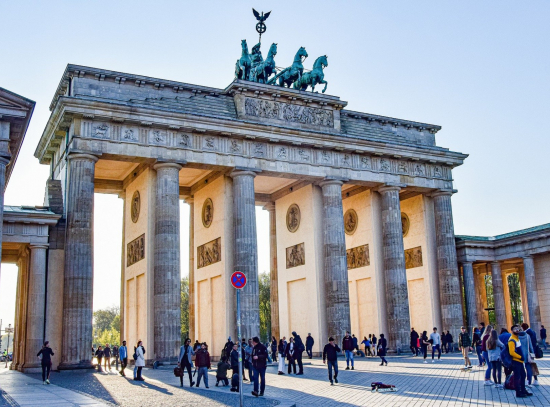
(110, 336)
(107, 326)
(103, 318)
(265, 307)
(490, 298)
(184, 308)
(515, 297)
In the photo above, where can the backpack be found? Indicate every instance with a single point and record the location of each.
(539, 354)
(505, 357)
(509, 383)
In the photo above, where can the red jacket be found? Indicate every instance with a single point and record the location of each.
(202, 358)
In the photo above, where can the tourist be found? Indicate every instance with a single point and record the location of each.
(196, 345)
(347, 348)
(274, 349)
(99, 357)
(476, 341)
(481, 328)
(514, 347)
(355, 343)
(234, 360)
(504, 337)
(494, 348)
(221, 372)
(414, 342)
(543, 336)
(140, 360)
(374, 345)
(485, 354)
(268, 346)
(185, 362)
(281, 350)
(46, 354)
(449, 342)
(290, 352)
(366, 342)
(435, 340)
(107, 356)
(382, 345)
(309, 345)
(202, 361)
(299, 349)
(465, 346)
(243, 358)
(228, 348)
(115, 355)
(424, 342)
(123, 353)
(330, 354)
(443, 342)
(248, 358)
(259, 365)
(528, 349)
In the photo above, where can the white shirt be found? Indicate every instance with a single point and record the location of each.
(436, 338)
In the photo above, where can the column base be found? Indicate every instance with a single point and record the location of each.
(31, 368)
(76, 366)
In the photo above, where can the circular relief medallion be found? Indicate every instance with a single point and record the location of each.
(293, 218)
(207, 213)
(136, 206)
(350, 221)
(405, 223)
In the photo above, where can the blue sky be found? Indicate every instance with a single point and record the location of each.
(478, 69)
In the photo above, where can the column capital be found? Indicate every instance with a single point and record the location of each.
(329, 181)
(443, 192)
(495, 263)
(389, 187)
(269, 207)
(527, 256)
(158, 166)
(471, 263)
(240, 172)
(190, 200)
(82, 156)
(39, 246)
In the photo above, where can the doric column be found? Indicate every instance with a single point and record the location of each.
(191, 203)
(470, 294)
(447, 266)
(79, 261)
(36, 305)
(3, 162)
(246, 250)
(498, 295)
(397, 297)
(123, 270)
(532, 293)
(274, 293)
(335, 261)
(167, 284)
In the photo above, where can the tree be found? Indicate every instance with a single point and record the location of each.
(103, 318)
(184, 308)
(110, 336)
(515, 297)
(265, 307)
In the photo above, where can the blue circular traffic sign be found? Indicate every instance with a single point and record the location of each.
(238, 280)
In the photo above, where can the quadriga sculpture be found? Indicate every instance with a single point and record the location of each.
(315, 77)
(293, 73)
(243, 65)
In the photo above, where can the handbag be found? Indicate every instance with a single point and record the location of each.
(539, 354)
(535, 369)
(178, 371)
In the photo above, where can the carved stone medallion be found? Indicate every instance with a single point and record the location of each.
(295, 256)
(350, 221)
(413, 257)
(293, 218)
(136, 206)
(207, 213)
(405, 223)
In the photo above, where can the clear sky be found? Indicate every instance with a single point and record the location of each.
(478, 69)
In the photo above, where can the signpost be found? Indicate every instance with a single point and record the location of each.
(238, 280)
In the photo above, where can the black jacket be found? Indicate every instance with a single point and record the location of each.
(260, 351)
(414, 338)
(47, 354)
(281, 348)
(382, 344)
(234, 358)
(543, 333)
(298, 344)
(309, 342)
(331, 352)
(347, 343)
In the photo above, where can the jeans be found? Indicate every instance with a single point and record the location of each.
(488, 371)
(519, 377)
(274, 355)
(135, 371)
(444, 347)
(383, 360)
(139, 372)
(479, 356)
(224, 380)
(434, 347)
(543, 342)
(308, 351)
(425, 351)
(349, 356)
(414, 350)
(203, 371)
(123, 364)
(259, 374)
(46, 371)
(497, 371)
(332, 364)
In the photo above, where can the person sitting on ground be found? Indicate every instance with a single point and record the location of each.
(221, 372)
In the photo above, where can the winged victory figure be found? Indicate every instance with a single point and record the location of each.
(261, 18)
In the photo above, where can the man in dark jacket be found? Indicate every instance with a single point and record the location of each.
(330, 353)
(309, 345)
(414, 342)
(202, 361)
(259, 364)
(299, 348)
(347, 347)
(543, 336)
(465, 346)
(228, 348)
(449, 342)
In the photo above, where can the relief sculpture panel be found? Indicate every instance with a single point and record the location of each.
(358, 257)
(135, 251)
(295, 256)
(209, 253)
(413, 257)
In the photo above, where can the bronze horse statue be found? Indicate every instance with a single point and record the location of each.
(315, 77)
(293, 73)
(243, 65)
(265, 69)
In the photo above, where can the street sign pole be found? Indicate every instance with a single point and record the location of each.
(240, 348)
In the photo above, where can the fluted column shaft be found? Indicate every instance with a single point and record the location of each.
(167, 284)
(79, 263)
(335, 261)
(449, 279)
(273, 278)
(246, 250)
(470, 293)
(532, 293)
(397, 297)
(191, 203)
(498, 295)
(3, 162)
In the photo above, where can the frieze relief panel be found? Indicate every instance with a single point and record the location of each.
(358, 257)
(135, 251)
(209, 253)
(413, 257)
(295, 256)
(158, 137)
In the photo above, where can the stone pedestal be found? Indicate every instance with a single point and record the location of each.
(498, 295)
(532, 294)
(449, 280)
(470, 294)
(335, 261)
(397, 298)
(246, 250)
(167, 283)
(274, 281)
(79, 260)
(191, 203)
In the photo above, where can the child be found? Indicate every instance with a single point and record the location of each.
(221, 372)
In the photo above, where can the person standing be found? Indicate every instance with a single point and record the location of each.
(355, 342)
(330, 355)
(443, 342)
(347, 348)
(99, 357)
(382, 345)
(485, 354)
(481, 328)
(185, 361)
(202, 360)
(476, 341)
(494, 348)
(140, 360)
(435, 340)
(374, 345)
(514, 347)
(228, 348)
(46, 353)
(543, 336)
(259, 365)
(281, 350)
(424, 345)
(465, 346)
(414, 342)
(248, 358)
(504, 337)
(107, 356)
(309, 345)
(299, 349)
(290, 352)
(528, 349)
(450, 341)
(274, 349)
(115, 355)
(196, 345)
(366, 342)
(234, 360)
(123, 354)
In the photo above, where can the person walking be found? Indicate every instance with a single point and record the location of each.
(196, 345)
(414, 342)
(424, 345)
(476, 341)
(228, 348)
(330, 355)
(347, 348)
(123, 354)
(140, 360)
(366, 342)
(443, 342)
(107, 356)
(99, 357)
(46, 354)
(202, 360)
(299, 349)
(281, 348)
(274, 349)
(185, 361)
(514, 347)
(221, 372)
(309, 345)
(382, 345)
(450, 340)
(290, 351)
(374, 345)
(259, 365)
(115, 355)
(481, 328)
(355, 342)
(494, 348)
(248, 358)
(543, 336)
(528, 350)
(485, 354)
(435, 340)
(465, 346)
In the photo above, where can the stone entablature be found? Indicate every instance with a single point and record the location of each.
(24, 224)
